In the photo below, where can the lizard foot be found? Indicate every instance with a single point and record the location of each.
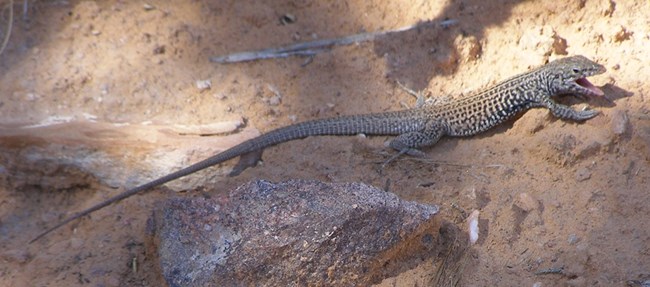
(245, 161)
(408, 151)
(585, 114)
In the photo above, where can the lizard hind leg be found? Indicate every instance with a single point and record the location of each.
(408, 143)
(245, 161)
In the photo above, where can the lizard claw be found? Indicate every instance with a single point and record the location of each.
(409, 151)
(586, 114)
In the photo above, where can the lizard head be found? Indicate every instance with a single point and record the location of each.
(569, 76)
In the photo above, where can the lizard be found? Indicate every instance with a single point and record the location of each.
(418, 127)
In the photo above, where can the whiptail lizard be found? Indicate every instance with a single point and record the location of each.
(421, 126)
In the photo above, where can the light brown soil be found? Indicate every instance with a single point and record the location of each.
(552, 194)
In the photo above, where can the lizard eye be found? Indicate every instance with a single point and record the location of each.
(576, 70)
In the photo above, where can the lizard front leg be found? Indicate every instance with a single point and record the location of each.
(565, 112)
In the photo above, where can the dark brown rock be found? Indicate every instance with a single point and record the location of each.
(292, 233)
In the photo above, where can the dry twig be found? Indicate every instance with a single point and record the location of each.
(314, 47)
(5, 41)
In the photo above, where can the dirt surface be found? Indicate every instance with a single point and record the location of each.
(560, 203)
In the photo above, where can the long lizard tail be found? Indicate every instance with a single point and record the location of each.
(389, 123)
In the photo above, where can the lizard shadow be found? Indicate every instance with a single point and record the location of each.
(613, 93)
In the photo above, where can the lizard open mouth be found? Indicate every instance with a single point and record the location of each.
(583, 82)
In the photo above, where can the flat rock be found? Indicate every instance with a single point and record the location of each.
(60, 153)
(620, 122)
(294, 233)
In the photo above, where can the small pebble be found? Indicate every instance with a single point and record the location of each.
(274, 100)
(148, 7)
(104, 88)
(472, 226)
(583, 174)
(287, 19)
(31, 97)
(160, 49)
(203, 85)
(526, 202)
(573, 239)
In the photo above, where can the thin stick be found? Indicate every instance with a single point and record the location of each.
(559, 270)
(9, 26)
(314, 47)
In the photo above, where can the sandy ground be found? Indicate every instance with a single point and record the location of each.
(561, 204)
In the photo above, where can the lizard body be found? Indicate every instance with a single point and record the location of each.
(421, 126)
